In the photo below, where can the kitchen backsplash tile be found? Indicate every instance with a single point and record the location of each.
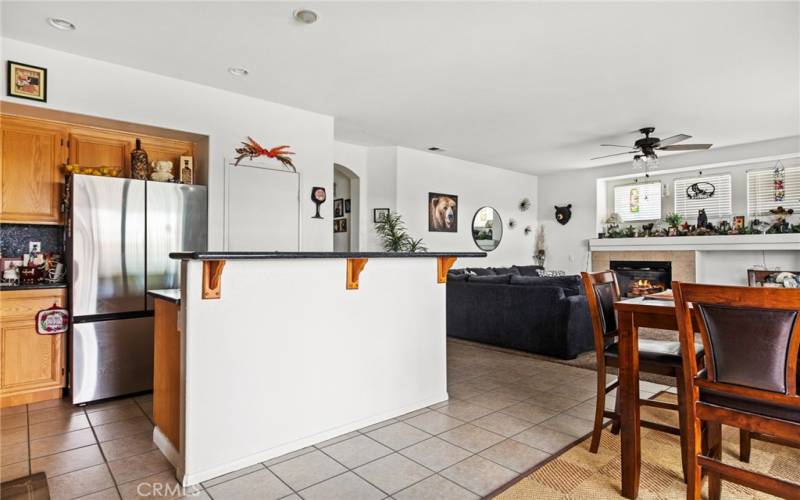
(14, 238)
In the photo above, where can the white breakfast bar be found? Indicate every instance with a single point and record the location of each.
(261, 354)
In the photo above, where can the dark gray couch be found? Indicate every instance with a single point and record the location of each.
(547, 316)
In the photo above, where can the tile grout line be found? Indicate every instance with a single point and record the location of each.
(102, 453)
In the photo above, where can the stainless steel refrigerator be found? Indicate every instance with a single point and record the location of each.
(120, 233)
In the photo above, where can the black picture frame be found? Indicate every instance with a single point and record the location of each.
(379, 213)
(347, 206)
(339, 225)
(338, 207)
(10, 81)
(442, 213)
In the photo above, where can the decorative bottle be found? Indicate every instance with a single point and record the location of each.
(139, 164)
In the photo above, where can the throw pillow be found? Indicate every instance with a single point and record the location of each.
(506, 270)
(496, 279)
(528, 270)
(457, 271)
(570, 284)
(456, 277)
(481, 271)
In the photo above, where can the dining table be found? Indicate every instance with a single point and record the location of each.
(633, 314)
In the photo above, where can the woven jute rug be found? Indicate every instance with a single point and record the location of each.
(579, 474)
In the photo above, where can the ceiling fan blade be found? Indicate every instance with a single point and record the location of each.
(616, 146)
(672, 140)
(685, 147)
(616, 154)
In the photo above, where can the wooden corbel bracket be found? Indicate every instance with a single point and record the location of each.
(443, 264)
(354, 268)
(212, 278)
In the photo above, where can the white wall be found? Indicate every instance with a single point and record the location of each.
(567, 246)
(382, 193)
(88, 86)
(476, 185)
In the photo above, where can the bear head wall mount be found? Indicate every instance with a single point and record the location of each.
(563, 214)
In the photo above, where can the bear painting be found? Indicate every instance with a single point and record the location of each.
(442, 213)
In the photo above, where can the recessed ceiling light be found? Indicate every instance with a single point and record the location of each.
(306, 16)
(435, 148)
(60, 24)
(235, 71)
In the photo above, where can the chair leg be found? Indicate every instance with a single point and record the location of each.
(685, 425)
(617, 422)
(694, 483)
(744, 445)
(600, 406)
(715, 451)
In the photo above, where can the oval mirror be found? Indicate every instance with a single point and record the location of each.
(487, 228)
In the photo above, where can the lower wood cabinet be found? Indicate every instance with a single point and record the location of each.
(32, 366)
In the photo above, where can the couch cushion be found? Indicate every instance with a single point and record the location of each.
(457, 277)
(481, 271)
(506, 270)
(460, 270)
(494, 279)
(570, 284)
(528, 270)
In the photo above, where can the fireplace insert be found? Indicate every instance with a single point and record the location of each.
(637, 278)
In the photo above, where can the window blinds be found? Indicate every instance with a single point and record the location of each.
(761, 190)
(635, 202)
(717, 206)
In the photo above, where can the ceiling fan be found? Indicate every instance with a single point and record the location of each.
(644, 149)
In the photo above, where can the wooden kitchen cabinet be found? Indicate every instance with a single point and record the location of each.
(31, 176)
(32, 366)
(101, 148)
(167, 149)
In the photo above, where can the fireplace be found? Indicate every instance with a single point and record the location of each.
(637, 278)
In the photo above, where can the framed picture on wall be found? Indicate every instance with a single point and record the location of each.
(340, 225)
(338, 207)
(347, 206)
(378, 214)
(442, 213)
(26, 81)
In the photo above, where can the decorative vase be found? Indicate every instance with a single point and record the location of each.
(139, 164)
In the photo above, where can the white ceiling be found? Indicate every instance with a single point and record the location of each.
(533, 87)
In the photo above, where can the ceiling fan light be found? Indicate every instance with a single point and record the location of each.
(639, 161)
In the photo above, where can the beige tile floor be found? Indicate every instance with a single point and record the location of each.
(506, 413)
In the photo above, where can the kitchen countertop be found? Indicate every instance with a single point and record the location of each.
(315, 255)
(40, 286)
(172, 295)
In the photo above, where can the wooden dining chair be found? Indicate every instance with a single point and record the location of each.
(751, 338)
(655, 356)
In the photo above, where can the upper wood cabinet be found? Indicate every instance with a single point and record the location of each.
(31, 176)
(33, 153)
(32, 366)
(101, 148)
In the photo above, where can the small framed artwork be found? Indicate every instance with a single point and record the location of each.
(347, 206)
(338, 207)
(26, 81)
(340, 225)
(442, 213)
(186, 169)
(379, 213)
(738, 222)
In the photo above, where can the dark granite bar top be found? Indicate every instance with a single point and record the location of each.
(315, 255)
(40, 286)
(170, 295)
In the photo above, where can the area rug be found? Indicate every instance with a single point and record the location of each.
(576, 473)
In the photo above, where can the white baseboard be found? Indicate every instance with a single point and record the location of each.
(165, 445)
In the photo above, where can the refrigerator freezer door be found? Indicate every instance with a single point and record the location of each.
(108, 248)
(176, 221)
(111, 358)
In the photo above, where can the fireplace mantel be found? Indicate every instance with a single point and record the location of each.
(699, 243)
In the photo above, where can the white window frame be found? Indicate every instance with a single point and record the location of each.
(652, 216)
(716, 208)
(759, 199)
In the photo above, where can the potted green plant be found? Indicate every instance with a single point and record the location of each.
(392, 231)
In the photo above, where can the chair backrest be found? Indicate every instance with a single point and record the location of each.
(751, 338)
(602, 291)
